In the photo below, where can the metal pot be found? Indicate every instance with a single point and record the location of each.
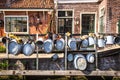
(109, 39)
(80, 62)
(48, 45)
(90, 58)
(101, 42)
(39, 43)
(70, 57)
(72, 44)
(117, 40)
(91, 41)
(14, 47)
(85, 43)
(60, 44)
(28, 48)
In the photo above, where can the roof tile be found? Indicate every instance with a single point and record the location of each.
(28, 4)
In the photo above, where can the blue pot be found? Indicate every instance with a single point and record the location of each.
(70, 57)
(14, 47)
(48, 45)
(72, 43)
(80, 62)
(60, 44)
(28, 48)
(90, 58)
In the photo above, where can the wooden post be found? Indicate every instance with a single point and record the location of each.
(37, 59)
(96, 53)
(65, 52)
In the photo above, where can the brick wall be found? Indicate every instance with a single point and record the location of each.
(102, 5)
(78, 8)
(112, 15)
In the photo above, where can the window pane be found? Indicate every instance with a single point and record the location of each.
(88, 22)
(61, 13)
(16, 24)
(65, 25)
(101, 24)
(65, 21)
(69, 13)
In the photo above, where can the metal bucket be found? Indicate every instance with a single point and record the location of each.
(101, 42)
(85, 43)
(70, 57)
(90, 58)
(60, 44)
(48, 45)
(28, 48)
(117, 40)
(80, 62)
(109, 39)
(91, 41)
(72, 44)
(39, 43)
(14, 47)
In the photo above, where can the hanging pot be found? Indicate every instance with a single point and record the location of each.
(117, 40)
(4, 40)
(85, 43)
(101, 42)
(78, 42)
(72, 44)
(60, 43)
(80, 62)
(109, 39)
(91, 41)
(90, 58)
(54, 57)
(28, 48)
(48, 45)
(70, 57)
(14, 47)
(39, 43)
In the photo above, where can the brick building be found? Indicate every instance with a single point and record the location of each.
(26, 16)
(98, 16)
(75, 16)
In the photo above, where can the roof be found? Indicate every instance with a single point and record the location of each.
(25, 4)
(77, 1)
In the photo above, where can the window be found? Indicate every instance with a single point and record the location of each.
(101, 24)
(16, 24)
(88, 23)
(101, 20)
(65, 21)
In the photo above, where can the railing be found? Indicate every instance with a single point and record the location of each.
(40, 60)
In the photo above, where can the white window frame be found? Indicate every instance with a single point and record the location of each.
(100, 15)
(17, 16)
(95, 26)
(66, 17)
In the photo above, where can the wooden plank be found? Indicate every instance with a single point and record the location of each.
(22, 56)
(59, 73)
(113, 47)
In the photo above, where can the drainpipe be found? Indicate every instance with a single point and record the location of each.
(56, 14)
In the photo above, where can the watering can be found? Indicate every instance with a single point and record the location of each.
(109, 39)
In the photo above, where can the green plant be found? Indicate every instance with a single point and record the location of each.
(3, 64)
(2, 48)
